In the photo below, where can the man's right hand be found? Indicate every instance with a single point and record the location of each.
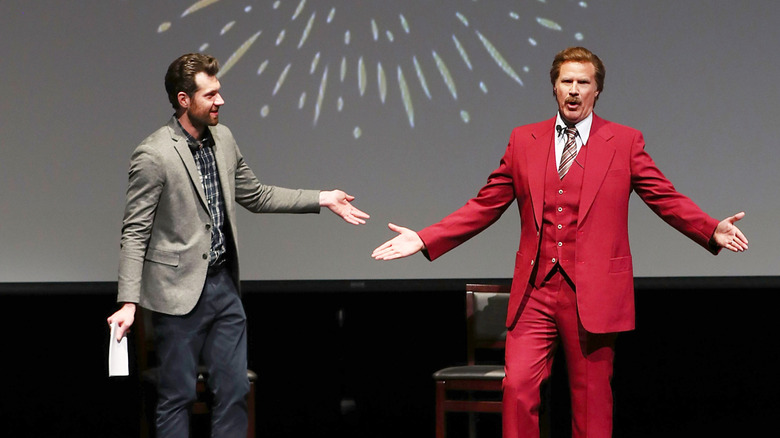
(124, 318)
(406, 243)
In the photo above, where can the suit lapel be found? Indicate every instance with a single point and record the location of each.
(183, 149)
(600, 154)
(537, 154)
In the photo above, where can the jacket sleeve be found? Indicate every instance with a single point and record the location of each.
(143, 193)
(476, 215)
(260, 198)
(673, 207)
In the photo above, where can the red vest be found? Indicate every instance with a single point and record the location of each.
(559, 218)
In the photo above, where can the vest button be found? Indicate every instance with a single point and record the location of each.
(560, 243)
(553, 260)
(560, 191)
(560, 226)
(560, 209)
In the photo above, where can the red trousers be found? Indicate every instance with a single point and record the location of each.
(548, 318)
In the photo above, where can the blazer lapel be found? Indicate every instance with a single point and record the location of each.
(600, 154)
(537, 154)
(183, 149)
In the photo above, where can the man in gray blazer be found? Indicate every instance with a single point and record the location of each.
(179, 255)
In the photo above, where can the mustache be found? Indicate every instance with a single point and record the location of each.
(571, 99)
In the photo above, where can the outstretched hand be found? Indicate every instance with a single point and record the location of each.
(339, 202)
(728, 236)
(406, 243)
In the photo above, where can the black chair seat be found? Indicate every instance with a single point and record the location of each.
(471, 372)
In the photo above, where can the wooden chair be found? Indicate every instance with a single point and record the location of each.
(486, 307)
(148, 375)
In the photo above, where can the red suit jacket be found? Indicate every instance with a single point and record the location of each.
(617, 164)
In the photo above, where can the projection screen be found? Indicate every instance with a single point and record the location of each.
(407, 105)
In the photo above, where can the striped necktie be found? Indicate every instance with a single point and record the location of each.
(569, 151)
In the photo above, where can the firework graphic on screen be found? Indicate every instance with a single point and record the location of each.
(322, 55)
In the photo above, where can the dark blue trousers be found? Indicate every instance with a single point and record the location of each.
(214, 334)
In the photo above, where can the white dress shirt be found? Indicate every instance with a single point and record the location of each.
(583, 132)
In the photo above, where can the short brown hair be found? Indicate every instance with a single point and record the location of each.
(578, 54)
(181, 74)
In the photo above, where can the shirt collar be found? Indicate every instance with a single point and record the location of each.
(194, 143)
(583, 127)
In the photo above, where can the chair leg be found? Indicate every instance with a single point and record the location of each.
(250, 406)
(441, 423)
(148, 404)
(472, 425)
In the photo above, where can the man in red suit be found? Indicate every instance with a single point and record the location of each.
(572, 176)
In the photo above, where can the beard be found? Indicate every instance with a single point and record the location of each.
(202, 116)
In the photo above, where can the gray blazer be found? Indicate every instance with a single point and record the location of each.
(166, 230)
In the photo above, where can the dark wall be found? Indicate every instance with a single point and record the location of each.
(355, 359)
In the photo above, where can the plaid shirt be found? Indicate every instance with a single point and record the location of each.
(203, 152)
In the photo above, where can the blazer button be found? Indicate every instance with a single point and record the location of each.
(205, 256)
(532, 262)
(208, 226)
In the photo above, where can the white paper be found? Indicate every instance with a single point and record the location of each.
(117, 355)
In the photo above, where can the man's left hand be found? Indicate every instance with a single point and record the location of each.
(728, 236)
(339, 202)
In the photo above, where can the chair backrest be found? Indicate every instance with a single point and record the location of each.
(486, 307)
(144, 339)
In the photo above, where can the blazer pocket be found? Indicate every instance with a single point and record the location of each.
(620, 264)
(165, 257)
